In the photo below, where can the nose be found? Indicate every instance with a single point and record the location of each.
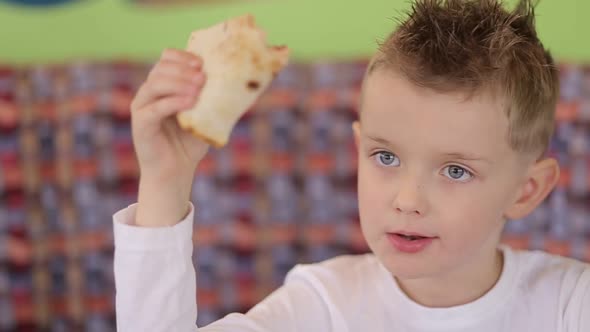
(409, 198)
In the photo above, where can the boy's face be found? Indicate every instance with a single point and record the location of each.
(437, 165)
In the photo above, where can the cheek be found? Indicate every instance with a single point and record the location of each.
(372, 185)
(365, 189)
(469, 217)
(372, 193)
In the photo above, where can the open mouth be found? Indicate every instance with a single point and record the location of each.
(409, 243)
(412, 237)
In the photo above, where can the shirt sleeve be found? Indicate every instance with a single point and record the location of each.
(156, 287)
(154, 275)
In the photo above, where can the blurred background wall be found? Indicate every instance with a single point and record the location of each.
(103, 29)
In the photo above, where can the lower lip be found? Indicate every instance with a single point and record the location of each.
(407, 246)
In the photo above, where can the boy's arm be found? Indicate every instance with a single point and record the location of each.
(154, 275)
(156, 287)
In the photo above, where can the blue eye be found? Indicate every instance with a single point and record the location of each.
(458, 173)
(386, 159)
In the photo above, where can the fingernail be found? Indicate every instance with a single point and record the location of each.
(195, 63)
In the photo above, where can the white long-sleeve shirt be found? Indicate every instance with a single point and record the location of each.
(156, 287)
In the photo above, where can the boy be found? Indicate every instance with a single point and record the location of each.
(456, 113)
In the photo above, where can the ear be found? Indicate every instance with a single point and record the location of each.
(356, 129)
(541, 179)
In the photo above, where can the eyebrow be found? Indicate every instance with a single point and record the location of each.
(461, 156)
(379, 140)
(452, 155)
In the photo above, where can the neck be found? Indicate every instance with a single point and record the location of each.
(459, 287)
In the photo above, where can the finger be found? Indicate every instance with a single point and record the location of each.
(174, 69)
(168, 106)
(165, 86)
(182, 56)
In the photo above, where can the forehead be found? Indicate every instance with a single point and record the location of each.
(399, 111)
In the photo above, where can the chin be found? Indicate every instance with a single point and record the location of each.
(410, 275)
(405, 267)
(407, 272)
